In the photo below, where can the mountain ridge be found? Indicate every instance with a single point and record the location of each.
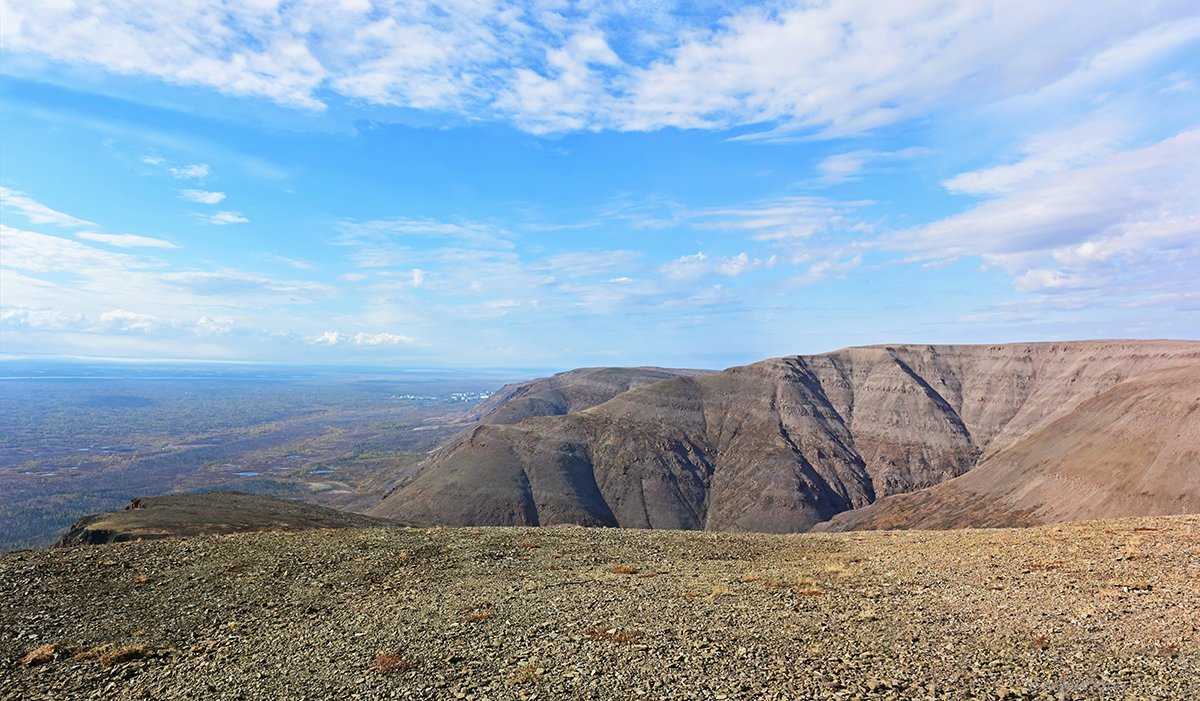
(779, 445)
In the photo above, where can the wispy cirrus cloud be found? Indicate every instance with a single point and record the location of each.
(787, 218)
(221, 218)
(40, 253)
(839, 67)
(1127, 221)
(126, 240)
(584, 264)
(698, 265)
(36, 212)
(290, 262)
(852, 165)
(1051, 152)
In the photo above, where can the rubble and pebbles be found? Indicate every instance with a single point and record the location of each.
(1083, 610)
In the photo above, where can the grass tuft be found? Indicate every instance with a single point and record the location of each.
(477, 612)
(525, 675)
(615, 635)
(387, 663)
(41, 655)
(125, 654)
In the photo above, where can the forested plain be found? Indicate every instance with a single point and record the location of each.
(76, 439)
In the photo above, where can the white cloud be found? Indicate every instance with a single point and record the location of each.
(399, 228)
(847, 66)
(332, 338)
(222, 218)
(782, 219)
(1180, 83)
(842, 167)
(1042, 279)
(203, 196)
(233, 288)
(1137, 46)
(404, 243)
(39, 253)
(1126, 222)
(214, 325)
(196, 170)
(698, 265)
(1041, 308)
(821, 270)
(1047, 153)
(293, 262)
(380, 339)
(577, 264)
(90, 281)
(47, 319)
(36, 212)
(840, 66)
(126, 240)
(124, 320)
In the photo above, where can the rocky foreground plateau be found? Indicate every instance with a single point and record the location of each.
(1093, 609)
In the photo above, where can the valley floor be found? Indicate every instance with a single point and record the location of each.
(1084, 610)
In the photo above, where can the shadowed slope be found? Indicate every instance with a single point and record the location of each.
(505, 491)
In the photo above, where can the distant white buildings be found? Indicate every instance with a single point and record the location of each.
(452, 397)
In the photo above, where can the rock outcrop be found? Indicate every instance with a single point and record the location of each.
(176, 515)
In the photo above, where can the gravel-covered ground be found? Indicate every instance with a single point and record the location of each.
(1085, 610)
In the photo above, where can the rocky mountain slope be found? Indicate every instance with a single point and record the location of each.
(177, 515)
(568, 392)
(563, 393)
(1084, 610)
(785, 444)
(1134, 449)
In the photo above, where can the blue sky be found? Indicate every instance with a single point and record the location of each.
(475, 184)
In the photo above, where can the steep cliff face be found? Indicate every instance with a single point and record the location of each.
(1132, 450)
(780, 445)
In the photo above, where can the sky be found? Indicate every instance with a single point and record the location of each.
(552, 184)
